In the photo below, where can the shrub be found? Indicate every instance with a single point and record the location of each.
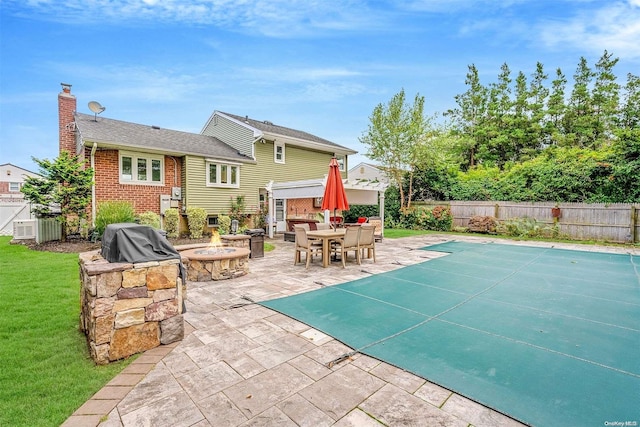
(237, 212)
(149, 218)
(438, 218)
(357, 211)
(526, 227)
(260, 220)
(196, 218)
(172, 222)
(482, 224)
(224, 224)
(78, 226)
(112, 212)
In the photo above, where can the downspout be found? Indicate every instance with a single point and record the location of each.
(253, 146)
(175, 171)
(270, 209)
(175, 184)
(93, 185)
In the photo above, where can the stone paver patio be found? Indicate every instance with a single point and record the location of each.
(241, 364)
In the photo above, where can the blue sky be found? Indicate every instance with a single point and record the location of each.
(316, 65)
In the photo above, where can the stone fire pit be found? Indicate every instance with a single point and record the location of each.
(204, 264)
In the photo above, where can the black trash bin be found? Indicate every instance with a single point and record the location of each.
(257, 242)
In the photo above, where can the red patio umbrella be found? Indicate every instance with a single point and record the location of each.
(334, 194)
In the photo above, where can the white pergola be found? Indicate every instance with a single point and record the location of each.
(360, 192)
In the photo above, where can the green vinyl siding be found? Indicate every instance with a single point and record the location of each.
(214, 200)
(301, 164)
(233, 134)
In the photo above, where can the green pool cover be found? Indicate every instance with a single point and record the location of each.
(546, 336)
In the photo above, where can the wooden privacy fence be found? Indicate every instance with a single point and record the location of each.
(616, 222)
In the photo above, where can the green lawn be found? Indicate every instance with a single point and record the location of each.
(45, 369)
(396, 233)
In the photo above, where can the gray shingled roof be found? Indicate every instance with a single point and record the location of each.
(136, 136)
(267, 126)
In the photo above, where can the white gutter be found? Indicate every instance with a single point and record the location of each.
(253, 145)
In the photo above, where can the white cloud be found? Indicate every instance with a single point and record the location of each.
(276, 18)
(452, 6)
(614, 27)
(292, 74)
(126, 82)
(324, 92)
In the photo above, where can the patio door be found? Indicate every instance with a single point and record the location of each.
(281, 220)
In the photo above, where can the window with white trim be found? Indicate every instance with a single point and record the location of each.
(341, 162)
(138, 168)
(278, 153)
(14, 187)
(223, 175)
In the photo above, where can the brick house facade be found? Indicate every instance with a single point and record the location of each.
(106, 164)
(143, 197)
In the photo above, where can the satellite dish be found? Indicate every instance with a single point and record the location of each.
(96, 108)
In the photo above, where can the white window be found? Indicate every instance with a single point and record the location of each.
(341, 162)
(138, 168)
(263, 202)
(223, 175)
(14, 187)
(278, 153)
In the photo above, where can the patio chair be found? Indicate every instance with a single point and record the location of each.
(376, 221)
(367, 241)
(323, 226)
(337, 220)
(348, 243)
(304, 244)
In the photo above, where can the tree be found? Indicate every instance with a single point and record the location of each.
(606, 98)
(579, 118)
(497, 121)
(630, 109)
(553, 127)
(626, 170)
(623, 184)
(471, 114)
(538, 95)
(394, 136)
(64, 181)
(519, 130)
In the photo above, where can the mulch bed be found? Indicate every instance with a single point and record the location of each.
(82, 245)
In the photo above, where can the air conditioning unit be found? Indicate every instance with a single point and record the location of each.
(24, 229)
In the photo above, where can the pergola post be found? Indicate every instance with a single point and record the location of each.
(381, 207)
(270, 209)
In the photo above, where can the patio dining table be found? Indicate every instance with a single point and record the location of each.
(327, 236)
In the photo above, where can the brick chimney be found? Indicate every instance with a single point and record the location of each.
(66, 109)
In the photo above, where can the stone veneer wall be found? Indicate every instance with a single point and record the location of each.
(129, 308)
(217, 269)
(236, 240)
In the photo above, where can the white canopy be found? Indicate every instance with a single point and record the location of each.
(360, 192)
